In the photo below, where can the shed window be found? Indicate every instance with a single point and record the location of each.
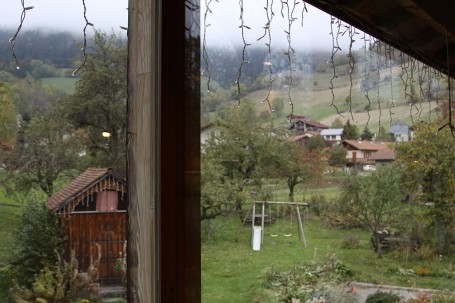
(107, 201)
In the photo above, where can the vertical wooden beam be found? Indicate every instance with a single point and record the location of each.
(141, 146)
(179, 158)
(163, 154)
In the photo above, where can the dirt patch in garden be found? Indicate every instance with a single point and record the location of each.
(363, 290)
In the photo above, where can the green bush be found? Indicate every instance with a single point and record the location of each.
(443, 297)
(309, 281)
(5, 283)
(350, 241)
(37, 243)
(383, 297)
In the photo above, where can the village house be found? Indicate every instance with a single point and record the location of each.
(400, 131)
(362, 152)
(332, 135)
(301, 124)
(303, 138)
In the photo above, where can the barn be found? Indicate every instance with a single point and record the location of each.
(93, 208)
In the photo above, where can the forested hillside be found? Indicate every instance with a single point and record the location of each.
(39, 53)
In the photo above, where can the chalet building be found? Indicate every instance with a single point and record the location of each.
(332, 135)
(93, 208)
(303, 138)
(362, 152)
(401, 131)
(301, 124)
(383, 156)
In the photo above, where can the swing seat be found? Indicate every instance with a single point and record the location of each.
(273, 235)
(287, 235)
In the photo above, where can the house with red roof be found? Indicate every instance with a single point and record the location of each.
(367, 152)
(302, 125)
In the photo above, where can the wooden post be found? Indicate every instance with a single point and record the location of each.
(301, 226)
(262, 223)
(252, 217)
(163, 148)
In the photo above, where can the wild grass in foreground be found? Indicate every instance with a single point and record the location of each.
(232, 271)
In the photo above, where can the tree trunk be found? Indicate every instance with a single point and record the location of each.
(292, 182)
(441, 235)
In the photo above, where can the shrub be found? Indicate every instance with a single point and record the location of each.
(37, 243)
(309, 281)
(383, 297)
(443, 297)
(5, 283)
(423, 271)
(350, 241)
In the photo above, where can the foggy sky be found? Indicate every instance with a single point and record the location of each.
(64, 15)
(107, 15)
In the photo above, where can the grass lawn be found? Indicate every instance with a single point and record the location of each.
(231, 270)
(65, 84)
(10, 215)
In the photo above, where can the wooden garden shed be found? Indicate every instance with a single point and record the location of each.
(93, 209)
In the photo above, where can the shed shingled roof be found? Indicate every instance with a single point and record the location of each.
(79, 184)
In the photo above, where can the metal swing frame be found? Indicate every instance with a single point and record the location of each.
(262, 216)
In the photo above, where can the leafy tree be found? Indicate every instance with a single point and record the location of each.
(242, 147)
(8, 116)
(350, 131)
(428, 161)
(218, 193)
(316, 143)
(298, 165)
(373, 197)
(337, 156)
(366, 134)
(99, 102)
(337, 123)
(383, 135)
(46, 150)
(36, 242)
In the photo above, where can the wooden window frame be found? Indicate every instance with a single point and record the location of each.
(163, 148)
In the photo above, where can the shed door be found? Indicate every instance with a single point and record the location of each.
(111, 243)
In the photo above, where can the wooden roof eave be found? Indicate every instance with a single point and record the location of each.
(70, 203)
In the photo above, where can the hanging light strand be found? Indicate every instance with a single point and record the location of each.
(205, 56)
(437, 79)
(269, 15)
(377, 47)
(351, 33)
(304, 10)
(423, 78)
(335, 49)
(390, 62)
(13, 39)
(411, 91)
(365, 84)
(449, 103)
(84, 47)
(290, 53)
(404, 65)
(194, 24)
(245, 45)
